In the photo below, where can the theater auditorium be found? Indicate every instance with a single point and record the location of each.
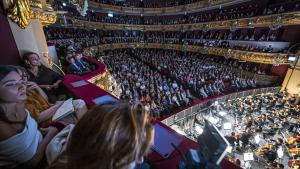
(149, 84)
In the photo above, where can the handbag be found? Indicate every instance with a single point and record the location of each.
(58, 144)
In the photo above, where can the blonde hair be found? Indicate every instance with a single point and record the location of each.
(110, 136)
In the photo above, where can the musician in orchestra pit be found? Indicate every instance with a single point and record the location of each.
(231, 139)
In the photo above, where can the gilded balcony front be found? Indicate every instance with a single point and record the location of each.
(258, 57)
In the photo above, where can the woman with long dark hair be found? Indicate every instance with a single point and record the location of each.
(21, 142)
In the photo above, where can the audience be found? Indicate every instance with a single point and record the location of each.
(148, 3)
(206, 75)
(155, 82)
(213, 38)
(77, 65)
(140, 83)
(112, 135)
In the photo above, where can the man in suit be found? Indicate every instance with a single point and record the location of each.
(81, 63)
(73, 68)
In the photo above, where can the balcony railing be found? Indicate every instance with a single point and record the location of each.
(166, 10)
(272, 21)
(202, 106)
(258, 57)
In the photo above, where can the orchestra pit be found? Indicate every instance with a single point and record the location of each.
(150, 84)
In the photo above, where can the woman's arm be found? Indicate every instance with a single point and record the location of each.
(48, 113)
(47, 87)
(34, 86)
(36, 159)
(56, 84)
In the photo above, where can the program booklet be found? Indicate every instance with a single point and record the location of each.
(64, 110)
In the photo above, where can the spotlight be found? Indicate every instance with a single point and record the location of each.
(110, 15)
(199, 130)
(222, 113)
(64, 4)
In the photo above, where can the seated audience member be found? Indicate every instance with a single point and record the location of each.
(74, 68)
(81, 63)
(110, 136)
(41, 110)
(47, 79)
(22, 144)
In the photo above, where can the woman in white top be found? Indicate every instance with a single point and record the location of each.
(21, 142)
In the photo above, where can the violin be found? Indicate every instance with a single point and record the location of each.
(267, 146)
(263, 150)
(260, 153)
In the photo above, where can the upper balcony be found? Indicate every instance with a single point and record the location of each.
(273, 21)
(160, 7)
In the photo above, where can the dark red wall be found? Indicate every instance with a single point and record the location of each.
(280, 70)
(291, 34)
(9, 53)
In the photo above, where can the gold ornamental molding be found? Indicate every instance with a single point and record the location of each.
(258, 57)
(22, 11)
(155, 11)
(46, 14)
(272, 21)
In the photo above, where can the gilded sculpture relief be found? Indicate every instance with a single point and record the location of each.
(19, 12)
(22, 11)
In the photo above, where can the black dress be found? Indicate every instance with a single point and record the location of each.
(47, 76)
